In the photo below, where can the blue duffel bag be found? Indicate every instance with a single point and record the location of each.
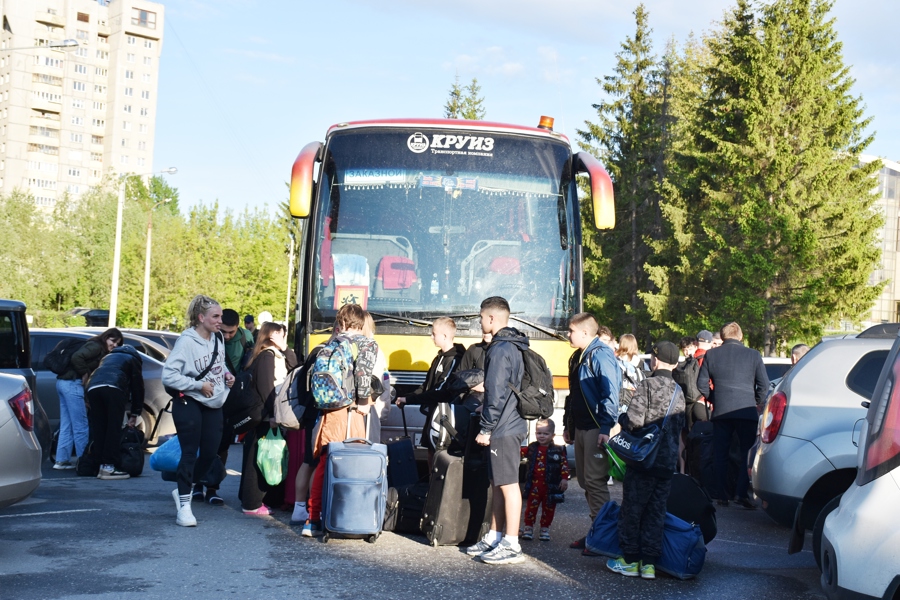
(603, 538)
(683, 551)
(167, 456)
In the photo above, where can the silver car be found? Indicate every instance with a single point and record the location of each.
(155, 397)
(810, 428)
(20, 451)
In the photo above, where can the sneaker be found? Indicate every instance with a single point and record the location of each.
(503, 554)
(619, 565)
(312, 529)
(300, 515)
(262, 511)
(197, 494)
(545, 534)
(63, 465)
(480, 547)
(214, 499)
(648, 571)
(577, 544)
(611, 481)
(177, 499)
(527, 533)
(184, 516)
(108, 472)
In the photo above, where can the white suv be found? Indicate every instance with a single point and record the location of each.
(810, 428)
(860, 553)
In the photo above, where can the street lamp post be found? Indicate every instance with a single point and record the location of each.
(144, 313)
(61, 46)
(117, 249)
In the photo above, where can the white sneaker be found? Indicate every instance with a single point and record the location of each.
(177, 499)
(185, 517)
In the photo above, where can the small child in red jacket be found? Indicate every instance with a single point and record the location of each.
(546, 480)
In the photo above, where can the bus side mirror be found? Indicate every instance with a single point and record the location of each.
(602, 197)
(302, 179)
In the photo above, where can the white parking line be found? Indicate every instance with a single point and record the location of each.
(55, 512)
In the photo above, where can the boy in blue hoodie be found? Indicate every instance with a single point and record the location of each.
(591, 408)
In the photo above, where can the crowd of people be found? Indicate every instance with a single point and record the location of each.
(719, 381)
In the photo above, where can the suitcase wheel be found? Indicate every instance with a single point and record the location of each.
(371, 539)
(325, 538)
(434, 543)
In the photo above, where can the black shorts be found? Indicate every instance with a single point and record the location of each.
(505, 456)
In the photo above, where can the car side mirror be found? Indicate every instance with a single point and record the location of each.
(865, 404)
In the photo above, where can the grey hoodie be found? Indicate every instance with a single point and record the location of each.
(188, 358)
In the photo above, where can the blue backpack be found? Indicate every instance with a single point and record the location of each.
(332, 379)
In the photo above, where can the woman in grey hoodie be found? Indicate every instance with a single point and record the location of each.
(197, 409)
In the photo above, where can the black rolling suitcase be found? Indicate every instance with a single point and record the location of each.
(458, 505)
(402, 470)
(689, 502)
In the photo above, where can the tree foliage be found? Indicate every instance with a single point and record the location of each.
(766, 215)
(62, 260)
(629, 137)
(465, 102)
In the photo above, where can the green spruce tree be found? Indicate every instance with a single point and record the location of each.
(465, 102)
(629, 137)
(782, 213)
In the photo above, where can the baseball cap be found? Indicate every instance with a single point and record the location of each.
(248, 319)
(665, 351)
(705, 336)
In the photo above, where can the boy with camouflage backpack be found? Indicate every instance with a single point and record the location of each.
(341, 381)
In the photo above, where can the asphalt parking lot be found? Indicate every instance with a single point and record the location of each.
(86, 538)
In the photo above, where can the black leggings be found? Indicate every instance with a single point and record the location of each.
(198, 427)
(105, 417)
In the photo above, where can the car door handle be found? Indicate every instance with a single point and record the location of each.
(853, 439)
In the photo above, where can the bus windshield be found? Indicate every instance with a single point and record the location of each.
(420, 224)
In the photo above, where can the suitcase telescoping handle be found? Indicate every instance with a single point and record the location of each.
(363, 440)
(358, 441)
(403, 414)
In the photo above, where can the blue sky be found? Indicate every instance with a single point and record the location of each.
(244, 84)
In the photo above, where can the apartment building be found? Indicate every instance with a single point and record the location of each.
(887, 307)
(68, 117)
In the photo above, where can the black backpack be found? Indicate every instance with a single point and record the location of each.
(243, 408)
(131, 452)
(59, 359)
(535, 394)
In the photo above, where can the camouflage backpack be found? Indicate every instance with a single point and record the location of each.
(332, 380)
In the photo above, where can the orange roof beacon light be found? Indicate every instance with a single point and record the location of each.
(546, 123)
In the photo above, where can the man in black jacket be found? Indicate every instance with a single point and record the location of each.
(733, 378)
(432, 392)
(502, 431)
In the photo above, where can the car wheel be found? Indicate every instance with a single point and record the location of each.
(819, 528)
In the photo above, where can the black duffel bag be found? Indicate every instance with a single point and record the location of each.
(131, 452)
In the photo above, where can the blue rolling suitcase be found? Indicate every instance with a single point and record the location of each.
(355, 490)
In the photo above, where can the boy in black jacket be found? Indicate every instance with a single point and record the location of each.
(448, 359)
(645, 492)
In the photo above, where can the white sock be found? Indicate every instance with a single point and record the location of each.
(493, 537)
(513, 540)
(185, 499)
(299, 504)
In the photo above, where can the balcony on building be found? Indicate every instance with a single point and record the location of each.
(49, 16)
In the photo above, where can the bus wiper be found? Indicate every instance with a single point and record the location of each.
(404, 320)
(547, 330)
(541, 328)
